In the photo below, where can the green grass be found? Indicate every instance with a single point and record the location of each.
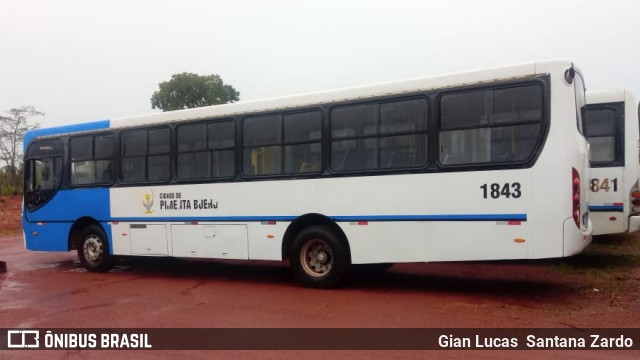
(607, 254)
(610, 264)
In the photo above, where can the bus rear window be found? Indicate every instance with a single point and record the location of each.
(601, 133)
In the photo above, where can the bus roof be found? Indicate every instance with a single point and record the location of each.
(607, 96)
(346, 94)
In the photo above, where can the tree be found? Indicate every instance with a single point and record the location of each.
(188, 90)
(12, 129)
(7, 187)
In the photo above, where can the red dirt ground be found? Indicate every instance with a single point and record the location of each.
(600, 288)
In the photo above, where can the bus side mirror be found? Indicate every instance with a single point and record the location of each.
(569, 75)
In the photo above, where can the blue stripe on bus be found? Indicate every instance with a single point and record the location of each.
(603, 208)
(351, 218)
(461, 217)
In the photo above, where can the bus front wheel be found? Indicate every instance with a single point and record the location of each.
(319, 258)
(93, 249)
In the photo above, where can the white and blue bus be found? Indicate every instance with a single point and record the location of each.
(611, 127)
(482, 165)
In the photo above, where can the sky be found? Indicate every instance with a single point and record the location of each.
(86, 60)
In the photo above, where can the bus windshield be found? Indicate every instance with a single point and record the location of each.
(43, 172)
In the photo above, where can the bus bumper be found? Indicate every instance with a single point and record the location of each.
(575, 240)
(634, 223)
(43, 236)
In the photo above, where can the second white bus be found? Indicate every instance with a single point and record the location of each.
(611, 126)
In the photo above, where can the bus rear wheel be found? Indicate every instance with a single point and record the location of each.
(93, 249)
(319, 258)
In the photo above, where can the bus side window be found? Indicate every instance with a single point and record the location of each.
(490, 125)
(282, 143)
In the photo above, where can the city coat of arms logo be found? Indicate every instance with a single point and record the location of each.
(147, 201)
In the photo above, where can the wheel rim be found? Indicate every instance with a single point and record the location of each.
(316, 258)
(93, 249)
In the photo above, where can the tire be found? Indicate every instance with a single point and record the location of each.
(319, 258)
(93, 249)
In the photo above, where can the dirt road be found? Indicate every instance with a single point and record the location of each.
(600, 288)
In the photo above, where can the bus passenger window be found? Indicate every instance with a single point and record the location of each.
(387, 135)
(489, 126)
(145, 155)
(206, 150)
(288, 143)
(92, 159)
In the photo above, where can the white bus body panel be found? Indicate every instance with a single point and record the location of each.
(216, 241)
(148, 239)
